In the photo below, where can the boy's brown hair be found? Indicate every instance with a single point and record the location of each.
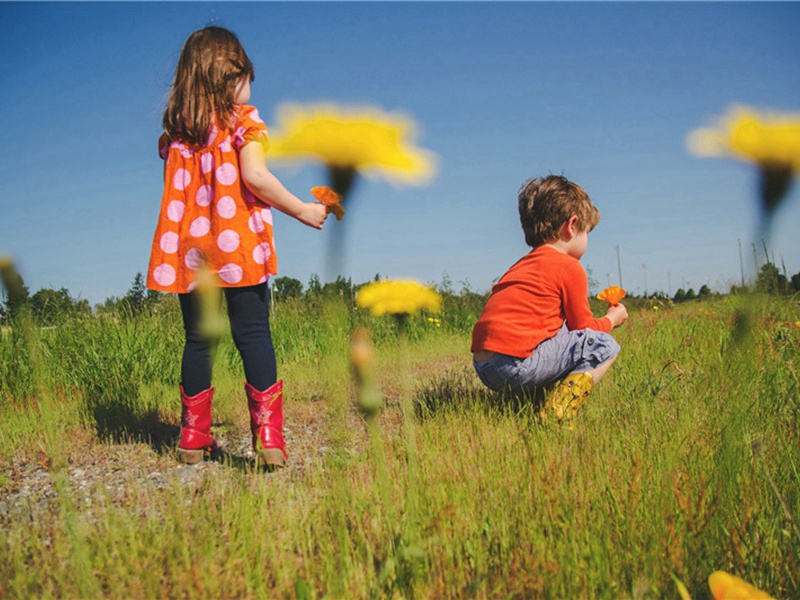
(546, 203)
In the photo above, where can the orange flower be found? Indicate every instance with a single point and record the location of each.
(612, 295)
(330, 199)
(729, 587)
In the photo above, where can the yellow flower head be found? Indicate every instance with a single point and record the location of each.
(398, 298)
(770, 139)
(367, 140)
(729, 587)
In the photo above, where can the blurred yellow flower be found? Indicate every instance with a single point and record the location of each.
(368, 141)
(655, 308)
(434, 321)
(771, 139)
(398, 298)
(729, 587)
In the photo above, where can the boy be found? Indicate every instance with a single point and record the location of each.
(537, 327)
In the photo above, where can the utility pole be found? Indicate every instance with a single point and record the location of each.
(741, 262)
(619, 269)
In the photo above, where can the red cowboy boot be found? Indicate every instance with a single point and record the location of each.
(196, 438)
(266, 424)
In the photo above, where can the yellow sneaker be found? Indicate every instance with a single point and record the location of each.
(568, 396)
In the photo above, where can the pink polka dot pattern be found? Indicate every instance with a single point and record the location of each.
(208, 216)
(226, 174)
(226, 207)
(204, 195)
(175, 210)
(261, 253)
(169, 242)
(231, 273)
(255, 222)
(199, 227)
(228, 240)
(181, 179)
(194, 258)
(164, 275)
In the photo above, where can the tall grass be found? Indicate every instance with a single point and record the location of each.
(683, 461)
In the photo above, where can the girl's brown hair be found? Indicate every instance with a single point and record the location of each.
(546, 203)
(211, 66)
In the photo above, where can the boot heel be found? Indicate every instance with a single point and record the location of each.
(191, 457)
(271, 458)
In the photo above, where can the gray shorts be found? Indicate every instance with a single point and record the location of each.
(567, 352)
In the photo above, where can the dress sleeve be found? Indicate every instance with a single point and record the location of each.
(249, 127)
(163, 146)
(576, 301)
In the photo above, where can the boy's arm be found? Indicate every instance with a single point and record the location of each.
(576, 302)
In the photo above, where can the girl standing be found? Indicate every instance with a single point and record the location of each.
(216, 215)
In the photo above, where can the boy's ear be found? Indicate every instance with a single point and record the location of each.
(570, 228)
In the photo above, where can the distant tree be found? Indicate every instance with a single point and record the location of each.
(50, 306)
(314, 286)
(772, 281)
(796, 282)
(680, 296)
(136, 294)
(152, 297)
(341, 287)
(287, 287)
(704, 293)
(690, 294)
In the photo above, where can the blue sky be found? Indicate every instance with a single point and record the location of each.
(604, 93)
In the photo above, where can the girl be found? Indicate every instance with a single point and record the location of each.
(215, 214)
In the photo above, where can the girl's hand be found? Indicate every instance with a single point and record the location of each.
(618, 314)
(313, 214)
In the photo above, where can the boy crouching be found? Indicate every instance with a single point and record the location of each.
(537, 328)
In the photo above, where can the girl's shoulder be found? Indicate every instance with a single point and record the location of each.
(243, 113)
(248, 125)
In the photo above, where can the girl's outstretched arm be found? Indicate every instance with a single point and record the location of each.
(267, 188)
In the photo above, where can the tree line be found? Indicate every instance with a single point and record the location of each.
(49, 306)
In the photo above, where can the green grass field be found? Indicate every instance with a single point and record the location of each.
(685, 460)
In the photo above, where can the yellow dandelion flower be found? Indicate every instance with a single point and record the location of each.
(398, 298)
(729, 587)
(434, 321)
(367, 141)
(768, 139)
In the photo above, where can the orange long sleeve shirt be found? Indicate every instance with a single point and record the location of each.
(532, 301)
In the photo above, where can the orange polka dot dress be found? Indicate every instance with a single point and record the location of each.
(208, 216)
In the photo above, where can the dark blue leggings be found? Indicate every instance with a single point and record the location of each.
(248, 310)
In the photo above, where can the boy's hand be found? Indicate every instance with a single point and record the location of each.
(313, 214)
(617, 314)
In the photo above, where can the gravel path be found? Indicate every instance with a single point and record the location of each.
(98, 473)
